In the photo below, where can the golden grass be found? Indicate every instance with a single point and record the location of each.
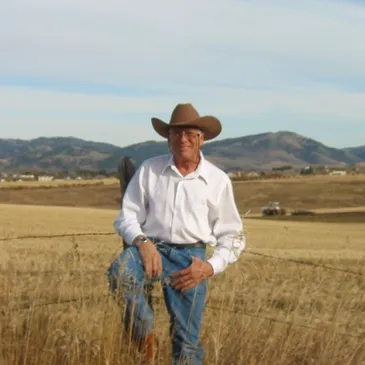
(236, 327)
(55, 183)
(313, 178)
(317, 192)
(340, 210)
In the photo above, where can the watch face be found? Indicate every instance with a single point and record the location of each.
(141, 240)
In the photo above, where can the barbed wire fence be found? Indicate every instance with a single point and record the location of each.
(249, 252)
(78, 234)
(83, 299)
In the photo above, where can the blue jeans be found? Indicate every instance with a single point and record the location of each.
(126, 275)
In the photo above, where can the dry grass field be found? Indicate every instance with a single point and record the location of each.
(55, 307)
(324, 192)
(18, 185)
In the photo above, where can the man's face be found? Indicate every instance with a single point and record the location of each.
(185, 142)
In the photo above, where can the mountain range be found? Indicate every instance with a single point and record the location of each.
(252, 152)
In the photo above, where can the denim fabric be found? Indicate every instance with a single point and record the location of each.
(126, 275)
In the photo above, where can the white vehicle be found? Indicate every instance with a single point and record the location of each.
(273, 208)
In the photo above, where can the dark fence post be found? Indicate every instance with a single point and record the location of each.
(126, 170)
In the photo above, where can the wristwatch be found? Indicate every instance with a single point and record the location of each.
(140, 240)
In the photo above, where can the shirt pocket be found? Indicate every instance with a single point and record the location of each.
(196, 202)
(161, 197)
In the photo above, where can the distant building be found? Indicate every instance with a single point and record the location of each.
(26, 177)
(338, 172)
(233, 174)
(45, 178)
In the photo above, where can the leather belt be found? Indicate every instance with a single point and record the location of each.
(198, 244)
(186, 245)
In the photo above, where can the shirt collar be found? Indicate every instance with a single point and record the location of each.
(200, 171)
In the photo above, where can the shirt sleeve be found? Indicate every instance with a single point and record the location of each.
(228, 230)
(133, 211)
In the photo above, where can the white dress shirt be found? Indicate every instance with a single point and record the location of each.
(160, 202)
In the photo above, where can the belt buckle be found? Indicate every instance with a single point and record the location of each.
(155, 241)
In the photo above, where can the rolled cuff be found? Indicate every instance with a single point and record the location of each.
(218, 264)
(128, 234)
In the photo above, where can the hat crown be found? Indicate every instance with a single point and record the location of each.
(183, 113)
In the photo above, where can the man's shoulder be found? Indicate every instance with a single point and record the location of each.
(216, 173)
(155, 162)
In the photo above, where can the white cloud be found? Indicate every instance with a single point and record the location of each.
(237, 59)
(225, 102)
(127, 131)
(176, 41)
(25, 100)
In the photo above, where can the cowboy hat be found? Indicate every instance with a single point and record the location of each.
(185, 115)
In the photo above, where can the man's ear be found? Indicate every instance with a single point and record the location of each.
(201, 140)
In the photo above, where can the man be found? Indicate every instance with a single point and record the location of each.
(174, 206)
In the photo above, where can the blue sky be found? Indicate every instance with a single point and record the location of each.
(99, 70)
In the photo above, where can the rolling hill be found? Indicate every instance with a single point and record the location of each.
(357, 151)
(259, 152)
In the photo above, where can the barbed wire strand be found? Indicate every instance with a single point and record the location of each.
(57, 235)
(82, 299)
(227, 310)
(283, 322)
(302, 262)
(51, 272)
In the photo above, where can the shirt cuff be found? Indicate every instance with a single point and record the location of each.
(217, 263)
(130, 236)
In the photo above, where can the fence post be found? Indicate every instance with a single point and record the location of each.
(126, 170)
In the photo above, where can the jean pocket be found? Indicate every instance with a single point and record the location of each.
(197, 252)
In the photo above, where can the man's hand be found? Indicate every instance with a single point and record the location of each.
(192, 275)
(151, 259)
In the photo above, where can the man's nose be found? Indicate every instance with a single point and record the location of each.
(184, 136)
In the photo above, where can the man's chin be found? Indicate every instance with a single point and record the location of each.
(185, 152)
(188, 156)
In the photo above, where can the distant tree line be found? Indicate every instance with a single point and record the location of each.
(84, 174)
(282, 168)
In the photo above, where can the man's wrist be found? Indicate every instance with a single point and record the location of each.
(207, 269)
(139, 240)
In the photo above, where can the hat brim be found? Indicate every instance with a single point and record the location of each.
(210, 126)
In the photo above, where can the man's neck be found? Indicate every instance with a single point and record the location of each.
(186, 167)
